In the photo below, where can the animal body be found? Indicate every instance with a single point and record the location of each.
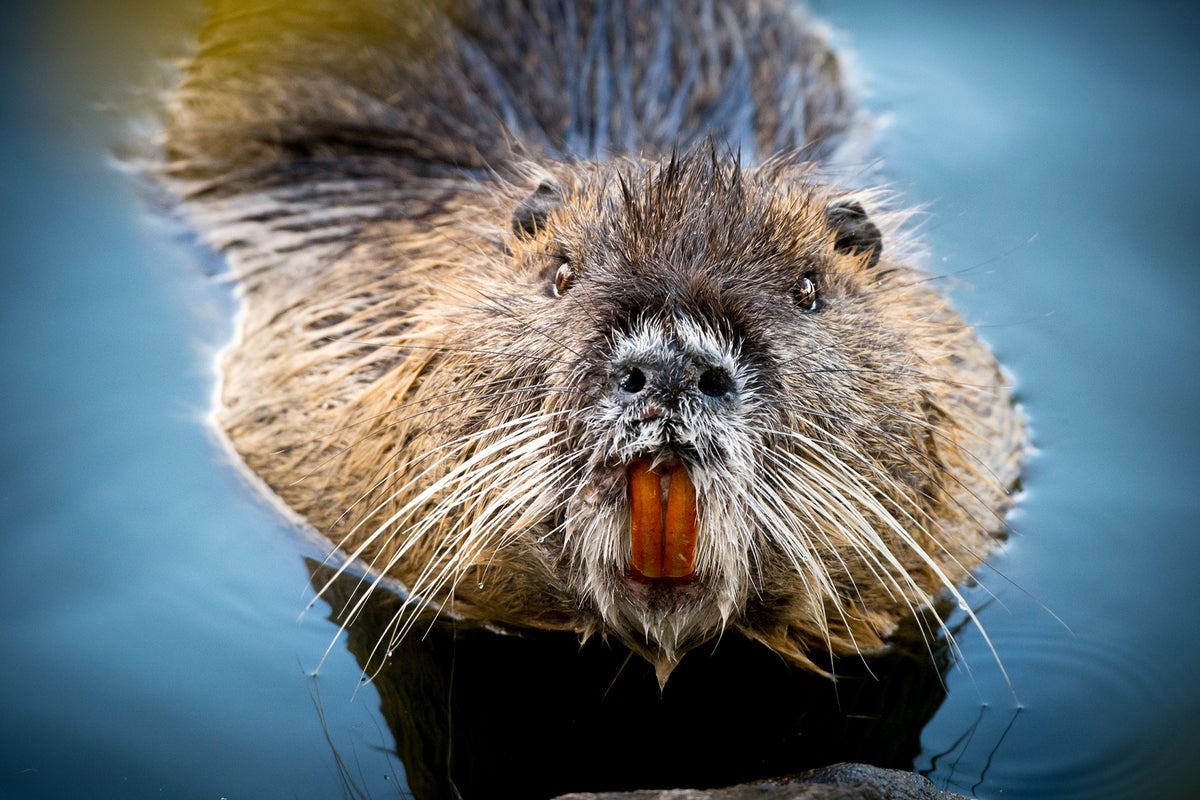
(573, 315)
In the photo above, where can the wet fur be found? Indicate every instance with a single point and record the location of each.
(396, 186)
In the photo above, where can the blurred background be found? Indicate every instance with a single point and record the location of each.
(150, 599)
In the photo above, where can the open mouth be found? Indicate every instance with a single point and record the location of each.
(662, 529)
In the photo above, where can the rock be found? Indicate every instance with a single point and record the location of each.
(838, 782)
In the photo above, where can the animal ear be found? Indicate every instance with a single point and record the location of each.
(530, 215)
(855, 231)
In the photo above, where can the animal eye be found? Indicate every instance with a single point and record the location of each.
(562, 279)
(806, 293)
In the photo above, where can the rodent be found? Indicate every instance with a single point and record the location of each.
(558, 314)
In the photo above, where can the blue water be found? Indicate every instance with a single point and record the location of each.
(150, 600)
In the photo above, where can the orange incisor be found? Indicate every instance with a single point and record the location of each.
(662, 505)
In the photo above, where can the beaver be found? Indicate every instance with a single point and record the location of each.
(575, 316)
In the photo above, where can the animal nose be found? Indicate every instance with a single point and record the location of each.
(668, 379)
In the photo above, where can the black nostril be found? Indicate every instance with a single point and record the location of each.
(633, 381)
(715, 382)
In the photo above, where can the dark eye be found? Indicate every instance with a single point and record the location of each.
(562, 279)
(806, 293)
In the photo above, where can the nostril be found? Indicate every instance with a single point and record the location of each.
(715, 382)
(633, 381)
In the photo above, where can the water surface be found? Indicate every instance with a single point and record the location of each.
(150, 600)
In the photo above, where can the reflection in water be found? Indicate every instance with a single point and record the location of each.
(957, 751)
(493, 715)
(139, 575)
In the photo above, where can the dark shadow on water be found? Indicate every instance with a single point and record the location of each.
(477, 714)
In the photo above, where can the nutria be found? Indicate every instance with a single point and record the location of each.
(573, 316)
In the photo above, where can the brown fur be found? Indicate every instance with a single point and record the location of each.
(361, 166)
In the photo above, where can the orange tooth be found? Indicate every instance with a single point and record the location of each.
(679, 538)
(646, 519)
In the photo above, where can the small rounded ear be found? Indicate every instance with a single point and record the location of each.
(855, 231)
(531, 213)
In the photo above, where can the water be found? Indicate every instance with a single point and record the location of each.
(149, 599)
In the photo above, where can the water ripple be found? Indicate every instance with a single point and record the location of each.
(1085, 726)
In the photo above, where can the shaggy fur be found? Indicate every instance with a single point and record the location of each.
(456, 225)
